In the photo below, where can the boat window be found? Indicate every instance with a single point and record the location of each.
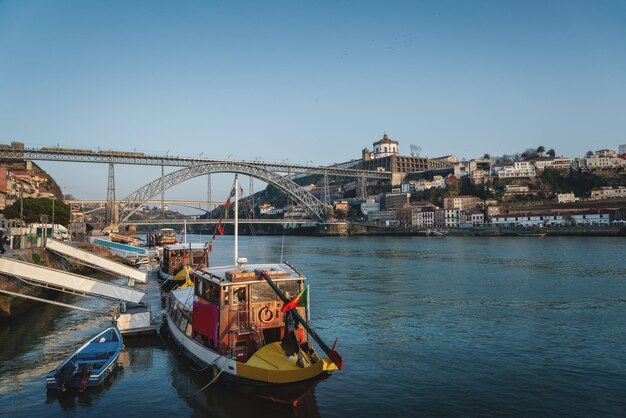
(239, 295)
(213, 295)
(199, 287)
(262, 292)
(177, 315)
(183, 323)
(290, 289)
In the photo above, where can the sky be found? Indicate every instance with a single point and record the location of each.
(307, 82)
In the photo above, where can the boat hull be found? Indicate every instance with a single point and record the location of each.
(90, 365)
(215, 364)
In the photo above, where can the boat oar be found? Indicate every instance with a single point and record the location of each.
(330, 352)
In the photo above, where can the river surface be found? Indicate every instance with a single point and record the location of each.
(427, 326)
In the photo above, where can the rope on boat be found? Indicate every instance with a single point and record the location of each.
(212, 380)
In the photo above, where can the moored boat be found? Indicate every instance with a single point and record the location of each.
(165, 236)
(245, 325)
(178, 260)
(90, 365)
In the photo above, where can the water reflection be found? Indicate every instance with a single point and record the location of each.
(219, 399)
(70, 399)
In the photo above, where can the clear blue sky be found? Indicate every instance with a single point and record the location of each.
(308, 81)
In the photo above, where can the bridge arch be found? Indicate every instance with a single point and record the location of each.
(313, 206)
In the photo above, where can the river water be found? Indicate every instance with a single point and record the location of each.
(427, 326)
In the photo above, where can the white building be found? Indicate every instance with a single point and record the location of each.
(566, 198)
(603, 162)
(622, 149)
(598, 217)
(453, 218)
(385, 147)
(615, 192)
(517, 169)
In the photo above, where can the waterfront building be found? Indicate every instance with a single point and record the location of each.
(440, 218)
(622, 149)
(453, 217)
(476, 218)
(370, 205)
(382, 216)
(540, 219)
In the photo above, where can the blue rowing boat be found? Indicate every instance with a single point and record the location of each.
(90, 365)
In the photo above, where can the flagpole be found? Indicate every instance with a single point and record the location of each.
(236, 219)
(308, 305)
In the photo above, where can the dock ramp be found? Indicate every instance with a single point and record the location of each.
(97, 262)
(126, 249)
(68, 282)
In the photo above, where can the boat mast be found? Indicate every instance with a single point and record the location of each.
(236, 220)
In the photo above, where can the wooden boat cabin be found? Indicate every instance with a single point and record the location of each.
(176, 256)
(165, 236)
(234, 311)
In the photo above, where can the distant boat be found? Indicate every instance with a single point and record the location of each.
(90, 365)
(165, 236)
(541, 234)
(124, 239)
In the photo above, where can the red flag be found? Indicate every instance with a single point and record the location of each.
(210, 246)
(298, 300)
(220, 230)
(228, 204)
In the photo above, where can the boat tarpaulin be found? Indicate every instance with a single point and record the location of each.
(204, 320)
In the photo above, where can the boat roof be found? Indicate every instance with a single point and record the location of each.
(225, 275)
(186, 246)
(184, 296)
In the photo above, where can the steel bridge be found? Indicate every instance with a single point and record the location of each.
(280, 175)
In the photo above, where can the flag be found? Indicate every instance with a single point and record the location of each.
(228, 204)
(298, 300)
(220, 230)
(210, 246)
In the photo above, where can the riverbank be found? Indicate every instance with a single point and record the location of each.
(363, 229)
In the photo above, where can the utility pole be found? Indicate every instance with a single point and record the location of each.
(110, 207)
(21, 207)
(209, 207)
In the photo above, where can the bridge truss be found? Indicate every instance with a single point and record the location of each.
(137, 199)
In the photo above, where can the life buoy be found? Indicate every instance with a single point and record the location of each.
(178, 260)
(266, 315)
(173, 263)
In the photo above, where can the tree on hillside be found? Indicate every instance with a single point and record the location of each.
(589, 154)
(551, 153)
(540, 150)
(486, 156)
(34, 207)
(529, 154)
